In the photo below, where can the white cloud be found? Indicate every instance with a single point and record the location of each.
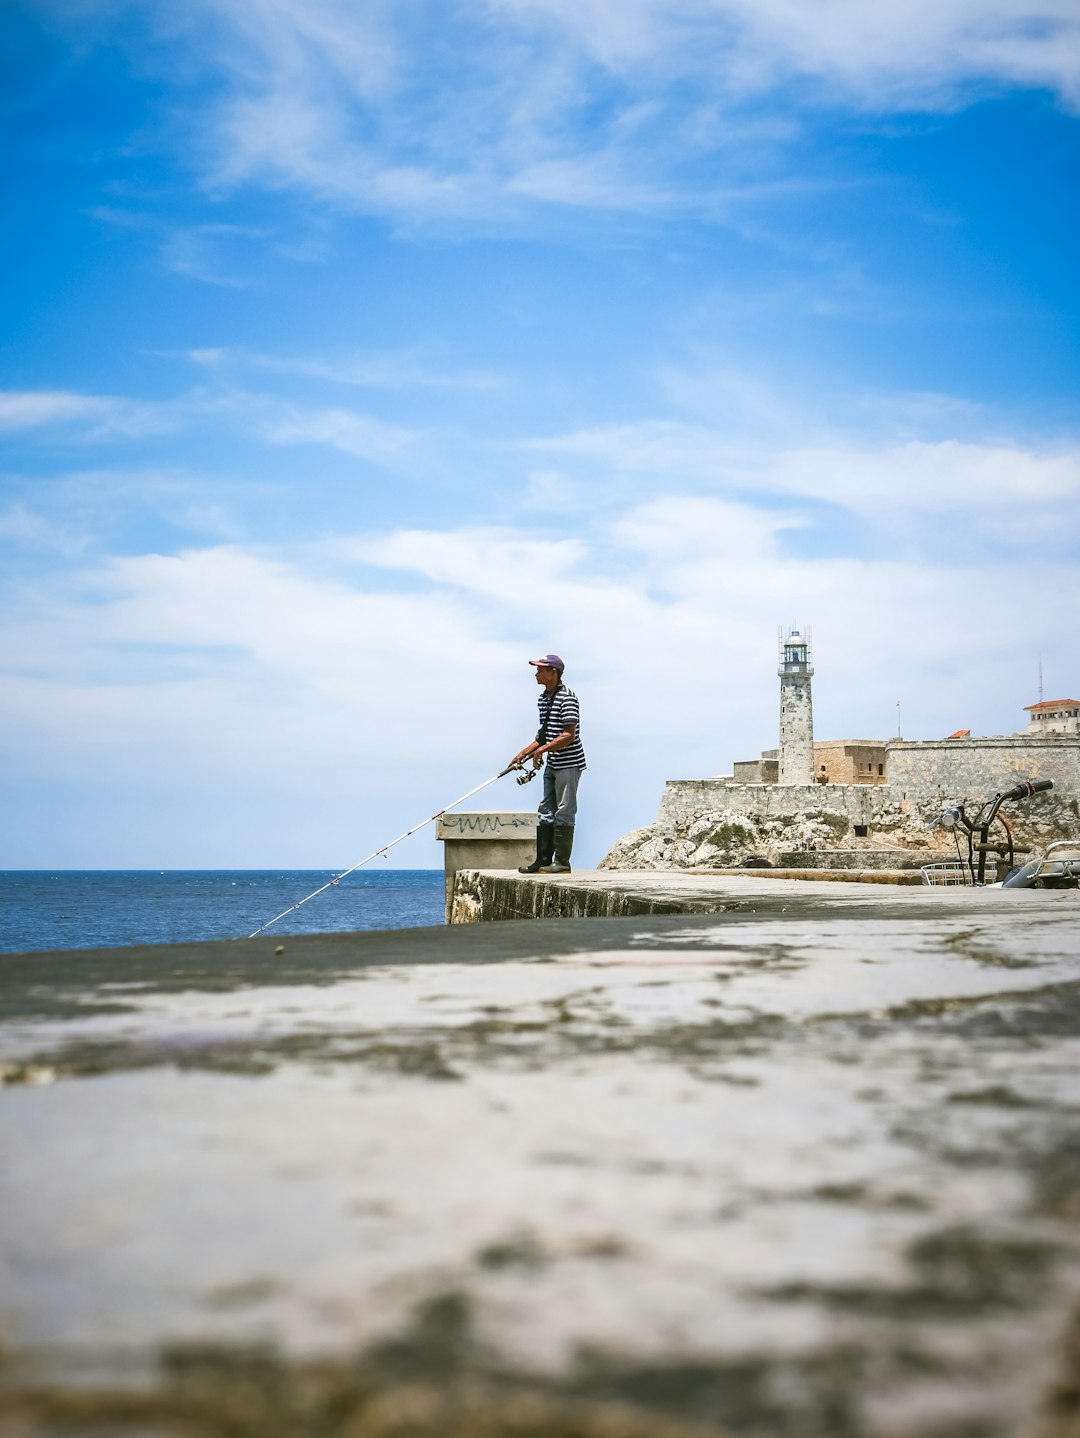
(95, 416)
(593, 182)
(255, 656)
(502, 563)
(417, 367)
(551, 492)
(930, 478)
(20, 409)
(356, 434)
(888, 55)
(79, 418)
(720, 531)
(1000, 489)
(212, 254)
(596, 104)
(259, 683)
(29, 531)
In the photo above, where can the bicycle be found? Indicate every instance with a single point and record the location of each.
(1058, 868)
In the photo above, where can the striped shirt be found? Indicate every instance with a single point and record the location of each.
(559, 712)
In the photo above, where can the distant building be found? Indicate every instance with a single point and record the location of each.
(1056, 716)
(849, 761)
(835, 761)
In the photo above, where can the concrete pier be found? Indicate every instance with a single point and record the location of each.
(807, 1167)
(479, 895)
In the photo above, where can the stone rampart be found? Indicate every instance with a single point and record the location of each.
(683, 800)
(953, 768)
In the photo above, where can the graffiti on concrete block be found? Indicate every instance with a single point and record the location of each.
(485, 826)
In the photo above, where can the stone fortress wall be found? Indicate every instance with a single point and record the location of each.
(955, 767)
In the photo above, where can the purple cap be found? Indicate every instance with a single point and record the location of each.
(552, 660)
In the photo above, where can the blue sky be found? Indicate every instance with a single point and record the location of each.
(355, 354)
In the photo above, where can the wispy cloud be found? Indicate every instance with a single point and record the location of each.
(72, 418)
(907, 56)
(27, 409)
(484, 560)
(92, 416)
(884, 484)
(400, 369)
(604, 105)
(356, 434)
(24, 529)
(211, 253)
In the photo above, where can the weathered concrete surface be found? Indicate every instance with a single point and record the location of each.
(615, 894)
(808, 1167)
(489, 840)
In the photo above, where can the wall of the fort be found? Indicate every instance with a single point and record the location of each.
(756, 771)
(683, 800)
(956, 769)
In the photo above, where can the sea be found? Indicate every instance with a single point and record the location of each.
(88, 909)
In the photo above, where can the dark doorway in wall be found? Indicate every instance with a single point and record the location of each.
(861, 831)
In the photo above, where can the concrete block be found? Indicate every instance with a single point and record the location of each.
(503, 840)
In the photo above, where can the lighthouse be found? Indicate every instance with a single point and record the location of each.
(796, 709)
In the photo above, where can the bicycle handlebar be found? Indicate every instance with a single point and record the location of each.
(1027, 787)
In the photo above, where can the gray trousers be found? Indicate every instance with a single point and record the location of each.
(559, 804)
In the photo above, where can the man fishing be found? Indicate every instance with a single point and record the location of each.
(558, 739)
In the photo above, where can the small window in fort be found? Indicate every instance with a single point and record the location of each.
(881, 768)
(860, 831)
(869, 768)
(823, 768)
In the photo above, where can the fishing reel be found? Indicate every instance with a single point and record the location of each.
(527, 776)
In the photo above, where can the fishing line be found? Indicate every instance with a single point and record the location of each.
(415, 829)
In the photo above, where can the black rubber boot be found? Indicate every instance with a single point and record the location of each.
(545, 848)
(564, 847)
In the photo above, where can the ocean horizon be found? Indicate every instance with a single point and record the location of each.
(42, 909)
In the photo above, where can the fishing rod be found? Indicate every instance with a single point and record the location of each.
(523, 778)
